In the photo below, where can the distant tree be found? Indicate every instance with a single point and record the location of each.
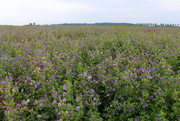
(34, 24)
(30, 24)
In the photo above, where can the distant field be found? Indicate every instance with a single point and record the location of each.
(89, 73)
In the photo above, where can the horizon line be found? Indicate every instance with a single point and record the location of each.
(89, 23)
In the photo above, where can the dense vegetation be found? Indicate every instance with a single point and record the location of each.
(86, 73)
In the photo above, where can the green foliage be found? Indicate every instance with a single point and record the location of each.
(89, 73)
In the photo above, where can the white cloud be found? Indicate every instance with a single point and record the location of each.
(41, 11)
(60, 11)
(8, 6)
(168, 5)
(61, 6)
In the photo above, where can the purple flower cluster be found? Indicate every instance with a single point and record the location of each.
(90, 73)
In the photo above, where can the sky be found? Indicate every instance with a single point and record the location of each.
(22, 12)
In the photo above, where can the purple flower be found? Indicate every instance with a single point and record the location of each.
(53, 92)
(157, 115)
(143, 87)
(4, 106)
(18, 105)
(89, 77)
(28, 80)
(117, 56)
(51, 78)
(140, 98)
(149, 77)
(59, 113)
(19, 113)
(116, 107)
(77, 108)
(129, 110)
(93, 104)
(122, 98)
(59, 104)
(38, 84)
(92, 90)
(131, 74)
(3, 82)
(87, 94)
(139, 71)
(68, 106)
(80, 75)
(10, 77)
(151, 96)
(54, 101)
(60, 120)
(67, 112)
(77, 98)
(136, 120)
(39, 116)
(85, 82)
(159, 91)
(10, 111)
(103, 82)
(99, 103)
(64, 99)
(177, 82)
(64, 94)
(120, 105)
(60, 95)
(94, 99)
(64, 87)
(124, 77)
(145, 105)
(41, 104)
(28, 100)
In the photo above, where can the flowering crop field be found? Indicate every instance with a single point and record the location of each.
(89, 73)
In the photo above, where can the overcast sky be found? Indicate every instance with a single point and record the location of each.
(20, 12)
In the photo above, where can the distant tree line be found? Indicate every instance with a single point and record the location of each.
(155, 24)
(97, 24)
(6, 25)
(118, 24)
(105, 24)
(32, 24)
